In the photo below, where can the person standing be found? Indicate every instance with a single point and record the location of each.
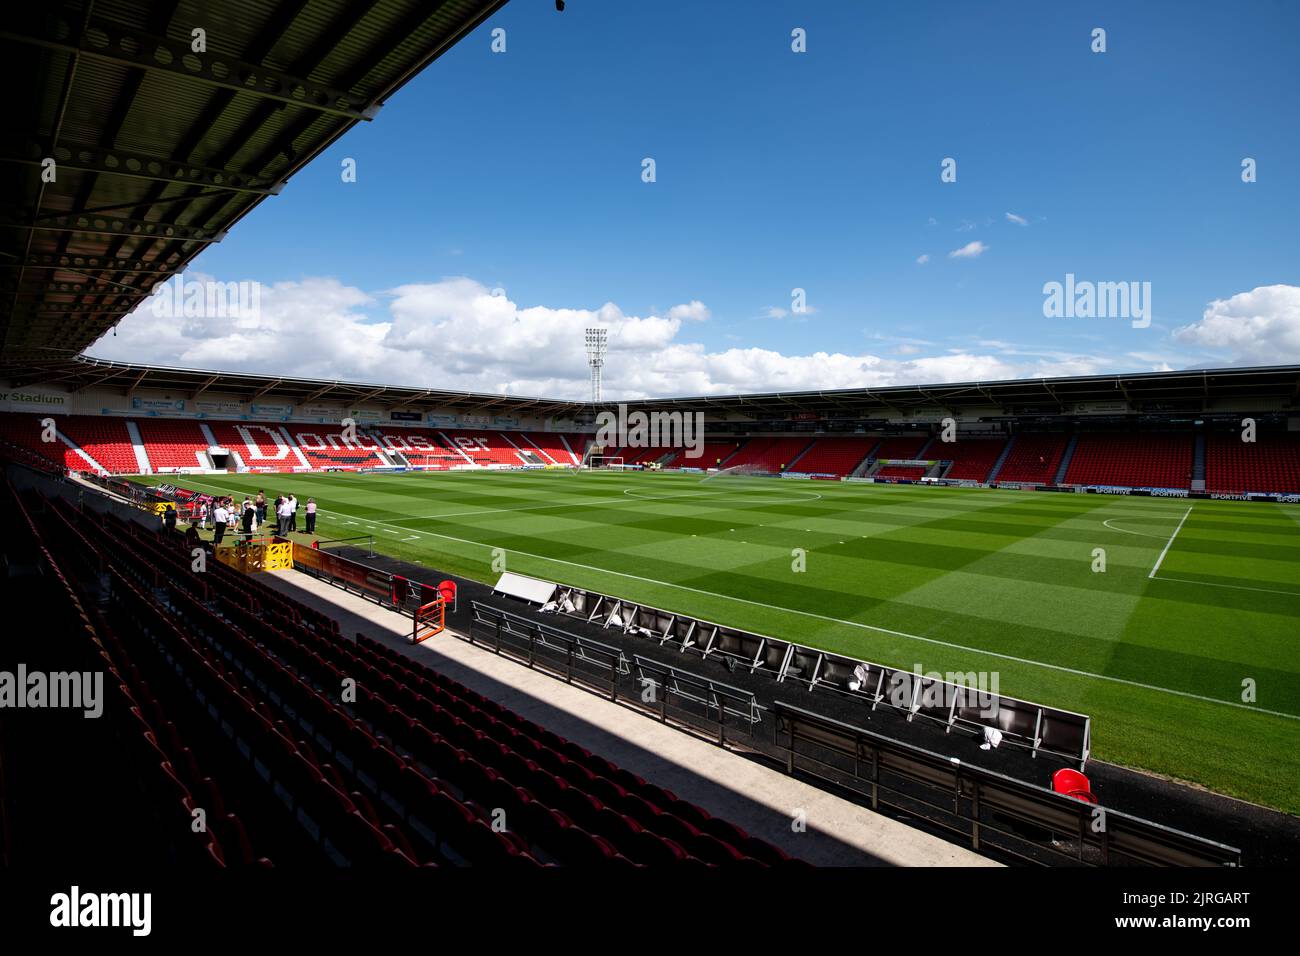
(169, 520)
(311, 515)
(219, 518)
(248, 516)
(260, 502)
(283, 527)
(203, 515)
(293, 513)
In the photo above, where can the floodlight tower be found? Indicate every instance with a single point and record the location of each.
(597, 340)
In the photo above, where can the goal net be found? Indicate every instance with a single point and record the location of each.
(739, 474)
(433, 462)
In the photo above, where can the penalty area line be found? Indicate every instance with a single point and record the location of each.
(1170, 542)
(1234, 587)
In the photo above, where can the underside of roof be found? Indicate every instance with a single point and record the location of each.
(1275, 388)
(126, 152)
(150, 128)
(81, 374)
(1190, 390)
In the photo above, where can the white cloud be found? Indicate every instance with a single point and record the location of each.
(456, 334)
(1259, 327)
(1018, 220)
(775, 312)
(922, 259)
(693, 311)
(969, 251)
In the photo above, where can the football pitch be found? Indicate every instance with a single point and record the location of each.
(1183, 649)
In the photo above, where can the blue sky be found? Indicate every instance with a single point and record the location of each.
(819, 170)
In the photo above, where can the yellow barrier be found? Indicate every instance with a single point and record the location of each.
(259, 554)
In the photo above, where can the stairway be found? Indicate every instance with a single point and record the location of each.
(997, 465)
(1198, 462)
(806, 448)
(1059, 477)
(864, 466)
(137, 447)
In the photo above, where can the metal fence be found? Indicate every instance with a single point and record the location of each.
(992, 813)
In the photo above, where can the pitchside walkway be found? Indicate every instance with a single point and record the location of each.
(758, 798)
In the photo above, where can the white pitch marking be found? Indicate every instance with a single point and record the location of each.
(1144, 534)
(1170, 541)
(1235, 587)
(881, 630)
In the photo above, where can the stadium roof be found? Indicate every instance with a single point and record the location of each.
(81, 373)
(159, 151)
(1153, 390)
(1191, 391)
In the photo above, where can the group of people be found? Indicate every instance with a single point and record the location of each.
(251, 514)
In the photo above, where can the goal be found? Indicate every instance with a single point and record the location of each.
(610, 463)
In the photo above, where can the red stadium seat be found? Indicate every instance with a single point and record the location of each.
(1034, 458)
(1073, 784)
(834, 456)
(1132, 459)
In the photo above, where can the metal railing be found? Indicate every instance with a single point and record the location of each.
(988, 811)
(541, 647)
(368, 538)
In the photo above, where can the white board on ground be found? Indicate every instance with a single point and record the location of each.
(522, 586)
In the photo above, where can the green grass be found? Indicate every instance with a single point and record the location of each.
(948, 579)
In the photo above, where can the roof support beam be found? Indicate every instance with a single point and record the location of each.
(319, 392)
(135, 204)
(79, 264)
(114, 226)
(136, 384)
(86, 158)
(118, 43)
(40, 288)
(203, 387)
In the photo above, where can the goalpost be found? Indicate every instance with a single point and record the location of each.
(595, 457)
(740, 472)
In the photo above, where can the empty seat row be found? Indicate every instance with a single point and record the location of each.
(404, 719)
(834, 456)
(1132, 459)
